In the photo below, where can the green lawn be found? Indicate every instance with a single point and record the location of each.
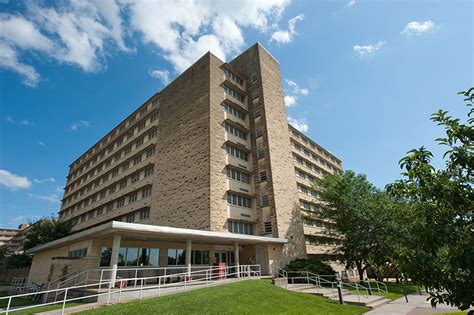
(245, 297)
(24, 302)
(395, 290)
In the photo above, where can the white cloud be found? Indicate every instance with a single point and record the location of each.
(290, 100)
(299, 124)
(286, 36)
(85, 33)
(367, 50)
(23, 122)
(45, 180)
(293, 90)
(80, 124)
(185, 30)
(351, 3)
(13, 181)
(416, 28)
(41, 143)
(52, 198)
(162, 75)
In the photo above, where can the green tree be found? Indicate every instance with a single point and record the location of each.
(18, 261)
(46, 230)
(436, 249)
(362, 222)
(312, 265)
(4, 251)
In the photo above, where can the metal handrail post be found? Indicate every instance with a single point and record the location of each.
(64, 301)
(369, 287)
(135, 282)
(358, 294)
(108, 295)
(120, 293)
(377, 283)
(141, 289)
(8, 305)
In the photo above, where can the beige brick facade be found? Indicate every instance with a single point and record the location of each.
(211, 151)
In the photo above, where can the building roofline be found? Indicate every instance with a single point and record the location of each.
(118, 227)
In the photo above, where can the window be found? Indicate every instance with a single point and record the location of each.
(109, 207)
(150, 152)
(236, 152)
(114, 172)
(152, 134)
(176, 256)
(125, 166)
(146, 192)
(199, 257)
(234, 111)
(253, 61)
(123, 184)
(112, 189)
(240, 227)
(143, 111)
(253, 77)
(120, 202)
(232, 77)
(263, 176)
(135, 177)
(260, 153)
(144, 214)
(128, 150)
(131, 256)
(237, 175)
(238, 200)
(235, 131)
(254, 94)
(148, 171)
(129, 135)
(265, 201)
(139, 142)
(257, 113)
(141, 126)
(137, 159)
(132, 198)
(131, 219)
(268, 227)
(258, 132)
(233, 93)
(100, 211)
(82, 252)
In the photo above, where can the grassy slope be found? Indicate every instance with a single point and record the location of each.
(24, 302)
(245, 297)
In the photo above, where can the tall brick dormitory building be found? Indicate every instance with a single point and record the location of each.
(208, 164)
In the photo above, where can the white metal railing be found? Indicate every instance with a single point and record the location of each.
(17, 284)
(357, 286)
(279, 272)
(107, 288)
(377, 285)
(319, 281)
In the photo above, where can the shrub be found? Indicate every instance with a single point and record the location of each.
(310, 264)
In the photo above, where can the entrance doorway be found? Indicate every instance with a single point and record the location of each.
(226, 257)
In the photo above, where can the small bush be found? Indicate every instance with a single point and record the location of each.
(311, 265)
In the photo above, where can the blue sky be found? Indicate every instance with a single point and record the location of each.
(361, 77)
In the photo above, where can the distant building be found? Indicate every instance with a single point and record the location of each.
(206, 171)
(13, 238)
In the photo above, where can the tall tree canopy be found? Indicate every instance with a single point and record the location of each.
(46, 230)
(437, 248)
(360, 216)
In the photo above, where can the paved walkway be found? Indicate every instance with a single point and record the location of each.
(416, 305)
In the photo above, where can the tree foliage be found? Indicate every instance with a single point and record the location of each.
(18, 261)
(46, 230)
(312, 265)
(437, 248)
(362, 221)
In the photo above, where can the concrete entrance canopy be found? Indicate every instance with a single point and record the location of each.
(144, 232)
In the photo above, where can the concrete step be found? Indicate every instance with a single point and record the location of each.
(362, 299)
(378, 303)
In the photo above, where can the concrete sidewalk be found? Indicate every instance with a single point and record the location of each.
(417, 305)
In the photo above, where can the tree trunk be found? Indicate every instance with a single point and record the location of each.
(360, 270)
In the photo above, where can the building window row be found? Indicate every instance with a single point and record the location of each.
(125, 151)
(237, 175)
(233, 93)
(177, 257)
(119, 203)
(308, 206)
(104, 142)
(131, 256)
(321, 240)
(308, 191)
(235, 131)
(315, 158)
(315, 147)
(111, 174)
(238, 200)
(304, 175)
(232, 77)
(238, 227)
(234, 111)
(316, 223)
(82, 252)
(240, 154)
(309, 165)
